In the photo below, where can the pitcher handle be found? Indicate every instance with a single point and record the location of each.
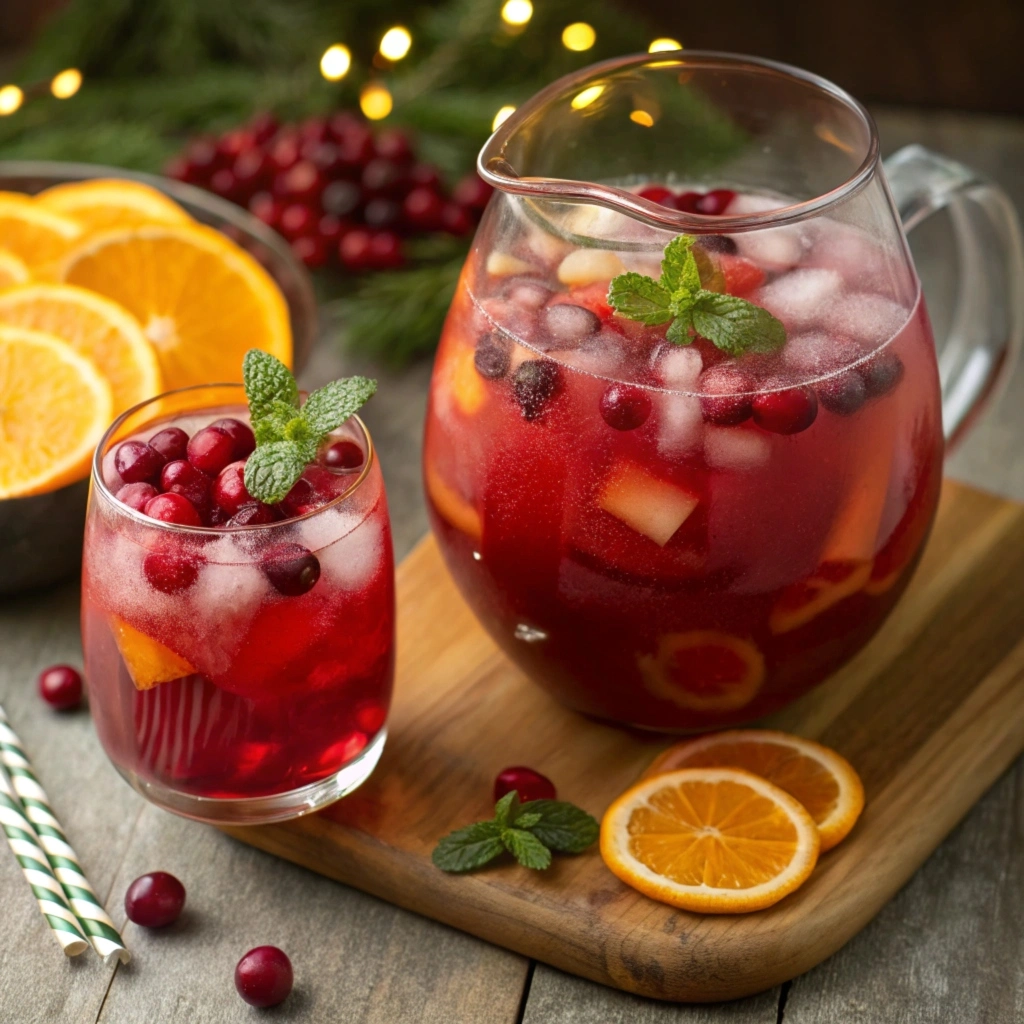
(988, 317)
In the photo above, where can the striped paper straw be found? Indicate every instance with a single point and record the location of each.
(62, 859)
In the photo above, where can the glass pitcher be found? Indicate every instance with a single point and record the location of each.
(686, 427)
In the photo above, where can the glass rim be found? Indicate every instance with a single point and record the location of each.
(496, 171)
(97, 481)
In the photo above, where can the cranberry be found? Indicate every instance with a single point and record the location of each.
(472, 191)
(303, 182)
(256, 514)
(881, 374)
(422, 209)
(381, 176)
(394, 145)
(136, 461)
(284, 154)
(719, 243)
(177, 168)
(354, 249)
(385, 251)
(534, 383)
(715, 202)
(250, 171)
(171, 443)
(330, 229)
(314, 129)
(292, 569)
(154, 900)
(425, 176)
(624, 407)
(136, 495)
(264, 206)
(344, 455)
(843, 394)
(264, 976)
(234, 143)
(170, 572)
(240, 433)
(725, 397)
(201, 159)
(262, 127)
(658, 194)
(382, 213)
(786, 412)
(493, 355)
(296, 220)
(342, 198)
(355, 147)
(61, 687)
(455, 220)
(301, 499)
(224, 184)
(211, 449)
(530, 785)
(181, 477)
(310, 250)
(172, 508)
(687, 201)
(229, 491)
(324, 156)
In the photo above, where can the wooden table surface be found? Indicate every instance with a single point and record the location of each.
(948, 948)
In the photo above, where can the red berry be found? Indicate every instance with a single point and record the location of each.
(382, 213)
(256, 514)
(342, 198)
(240, 433)
(313, 129)
(344, 455)
(201, 159)
(687, 201)
(385, 250)
(310, 250)
(381, 176)
(530, 785)
(422, 208)
(394, 145)
(211, 449)
(843, 394)
(172, 508)
(264, 976)
(301, 499)
(250, 171)
(881, 374)
(171, 443)
(725, 395)
(425, 176)
(455, 220)
(154, 900)
(136, 461)
(325, 156)
(472, 191)
(181, 477)
(303, 182)
(355, 148)
(330, 229)
(534, 383)
(136, 495)
(263, 126)
(284, 153)
(223, 183)
(295, 221)
(658, 194)
(785, 412)
(264, 206)
(354, 249)
(624, 407)
(229, 491)
(715, 201)
(292, 569)
(61, 687)
(170, 571)
(234, 143)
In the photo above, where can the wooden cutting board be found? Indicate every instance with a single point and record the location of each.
(930, 713)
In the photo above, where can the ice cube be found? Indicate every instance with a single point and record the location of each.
(772, 248)
(735, 448)
(527, 294)
(677, 367)
(866, 318)
(223, 601)
(680, 425)
(646, 503)
(585, 266)
(351, 562)
(801, 297)
(565, 325)
(743, 203)
(862, 262)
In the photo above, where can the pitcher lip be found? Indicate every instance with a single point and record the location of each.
(491, 159)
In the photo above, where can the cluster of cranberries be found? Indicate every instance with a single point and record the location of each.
(711, 203)
(335, 191)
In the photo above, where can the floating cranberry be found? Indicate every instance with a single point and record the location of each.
(534, 384)
(342, 198)
(493, 355)
(658, 194)
(687, 201)
(240, 433)
(136, 495)
(310, 250)
(422, 209)
(881, 373)
(345, 455)
(381, 176)
(425, 176)
(455, 220)
(61, 687)
(472, 191)
(624, 407)
(301, 499)
(718, 243)
(354, 249)
(382, 213)
(264, 976)
(170, 572)
(530, 785)
(292, 569)
(229, 491)
(181, 477)
(256, 514)
(211, 449)
(725, 395)
(172, 508)
(171, 443)
(136, 461)
(264, 206)
(154, 900)
(785, 412)
(715, 202)
(385, 250)
(296, 220)
(844, 393)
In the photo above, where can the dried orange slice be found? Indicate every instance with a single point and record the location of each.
(822, 780)
(806, 599)
(148, 661)
(201, 300)
(12, 269)
(704, 670)
(54, 407)
(98, 328)
(37, 236)
(712, 840)
(451, 505)
(103, 203)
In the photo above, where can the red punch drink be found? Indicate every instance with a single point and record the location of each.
(239, 655)
(658, 529)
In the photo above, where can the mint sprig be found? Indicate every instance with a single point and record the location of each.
(530, 832)
(729, 322)
(288, 436)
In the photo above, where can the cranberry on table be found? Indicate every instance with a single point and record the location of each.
(240, 433)
(211, 449)
(292, 569)
(229, 491)
(343, 455)
(136, 495)
(171, 443)
(154, 900)
(263, 977)
(181, 477)
(530, 785)
(725, 395)
(169, 571)
(172, 508)
(136, 461)
(624, 407)
(61, 687)
(785, 412)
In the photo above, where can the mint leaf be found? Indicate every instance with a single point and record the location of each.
(526, 848)
(678, 266)
(639, 298)
(526, 819)
(469, 848)
(327, 408)
(272, 469)
(679, 331)
(507, 808)
(735, 325)
(563, 826)
(269, 384)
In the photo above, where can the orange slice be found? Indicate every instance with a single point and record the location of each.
(201, 300)
(12, 269)
(148, 661)
(97, 328)
(466, 383)
(37, 236)
(806, 599)
(103, 203)
(823, 781)
(451, 505)
(54, 407)
(704, 670)
(712, 840)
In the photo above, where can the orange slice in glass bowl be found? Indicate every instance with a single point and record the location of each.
(823, 781)
(37, 236)
(12, 269)
(806, 599)
(54, 407)
(103, 203)
(710, 840)
(704, 670)
(201, 300)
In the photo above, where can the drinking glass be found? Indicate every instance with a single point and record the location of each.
(658, 529)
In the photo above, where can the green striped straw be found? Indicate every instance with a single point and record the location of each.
(57, 851)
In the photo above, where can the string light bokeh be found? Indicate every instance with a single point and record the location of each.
(516, 12)
(335, 63)
(396, 43)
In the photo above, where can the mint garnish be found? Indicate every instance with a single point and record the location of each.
(528, 831)
(288, 436)
(729, 322)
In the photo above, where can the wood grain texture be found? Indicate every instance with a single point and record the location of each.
(929, 713)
